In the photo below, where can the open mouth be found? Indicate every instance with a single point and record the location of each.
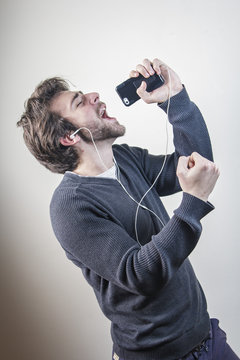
(104, 115)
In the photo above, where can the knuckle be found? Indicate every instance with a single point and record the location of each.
(132, 73)
(181, 158)
(146, 61)
(206, 166)
(194, 153)
(217, 171)
(148, 65)
(139, 67)
(212, 167)
(147, 100)
(179, 172)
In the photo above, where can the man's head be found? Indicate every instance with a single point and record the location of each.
(53, 113)
(86, 110)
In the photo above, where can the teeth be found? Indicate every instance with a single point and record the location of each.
(102, 111)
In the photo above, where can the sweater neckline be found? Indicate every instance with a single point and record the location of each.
(88, 179)
(109, 174)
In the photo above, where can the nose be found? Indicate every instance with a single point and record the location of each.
(93, 98)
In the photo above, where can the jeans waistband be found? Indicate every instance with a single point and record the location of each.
(196, 352)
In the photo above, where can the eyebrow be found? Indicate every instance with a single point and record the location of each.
(75, 97)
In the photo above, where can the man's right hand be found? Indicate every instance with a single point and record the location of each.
(159, 95)
(197, 175)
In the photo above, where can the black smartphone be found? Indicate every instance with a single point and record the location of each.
(127, 89)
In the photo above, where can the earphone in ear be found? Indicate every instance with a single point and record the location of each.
(72, 136)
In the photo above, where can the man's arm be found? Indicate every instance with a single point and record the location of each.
(189, 129)
(93, 240)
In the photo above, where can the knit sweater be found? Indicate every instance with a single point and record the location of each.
(150, 292)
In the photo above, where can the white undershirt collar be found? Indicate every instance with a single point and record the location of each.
(110, 173)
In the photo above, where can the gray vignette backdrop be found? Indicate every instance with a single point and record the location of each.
(47, 310)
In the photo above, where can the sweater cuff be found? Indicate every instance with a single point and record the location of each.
(193, 208)
(178, 99)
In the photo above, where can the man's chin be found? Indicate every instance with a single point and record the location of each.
(122, 131)
(114, 131)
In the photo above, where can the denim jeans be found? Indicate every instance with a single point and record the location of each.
(214, 348)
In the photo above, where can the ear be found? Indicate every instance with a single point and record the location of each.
(67, 141)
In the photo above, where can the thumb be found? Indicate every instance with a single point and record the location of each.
(141, 90)
(191, 162)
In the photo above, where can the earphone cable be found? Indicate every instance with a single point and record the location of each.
(118, 169)
(164, 162)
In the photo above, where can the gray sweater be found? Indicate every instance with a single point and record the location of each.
(150, 293)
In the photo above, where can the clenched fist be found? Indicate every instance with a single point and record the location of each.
(197, 175)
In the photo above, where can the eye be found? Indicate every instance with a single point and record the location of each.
(79, 98)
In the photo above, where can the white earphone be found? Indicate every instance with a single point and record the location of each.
(72, 136)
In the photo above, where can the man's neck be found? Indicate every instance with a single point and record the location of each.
(94, 162)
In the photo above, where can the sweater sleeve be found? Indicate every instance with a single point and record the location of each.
(189, 128)
(93, 240)
(189, 134)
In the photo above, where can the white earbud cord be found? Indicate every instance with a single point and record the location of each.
(118, 170)
(142, 206)
(161, 170)
(95, 146)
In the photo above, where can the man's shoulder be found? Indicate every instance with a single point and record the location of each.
(66, 188)
(128, 151)
(130, 158)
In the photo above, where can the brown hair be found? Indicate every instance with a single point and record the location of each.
(42, 128)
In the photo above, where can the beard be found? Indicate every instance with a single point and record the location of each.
(106, 131)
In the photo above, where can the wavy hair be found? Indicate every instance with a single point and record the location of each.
(43, 128)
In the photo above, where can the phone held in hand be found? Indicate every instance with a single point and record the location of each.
(127, 89)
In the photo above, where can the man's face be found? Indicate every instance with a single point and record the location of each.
(86, 110)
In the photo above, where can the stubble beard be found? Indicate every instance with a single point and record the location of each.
(104, 132)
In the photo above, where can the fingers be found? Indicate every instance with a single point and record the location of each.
(195, 160)
(191, 162)
(148, 68)
(197, 175)
(134, 73)
(145, 69)
(195, 156)
(158, 66)
(182, 167)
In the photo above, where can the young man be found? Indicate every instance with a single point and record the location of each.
(139, 270)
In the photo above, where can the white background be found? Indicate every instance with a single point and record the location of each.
(48, 311)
